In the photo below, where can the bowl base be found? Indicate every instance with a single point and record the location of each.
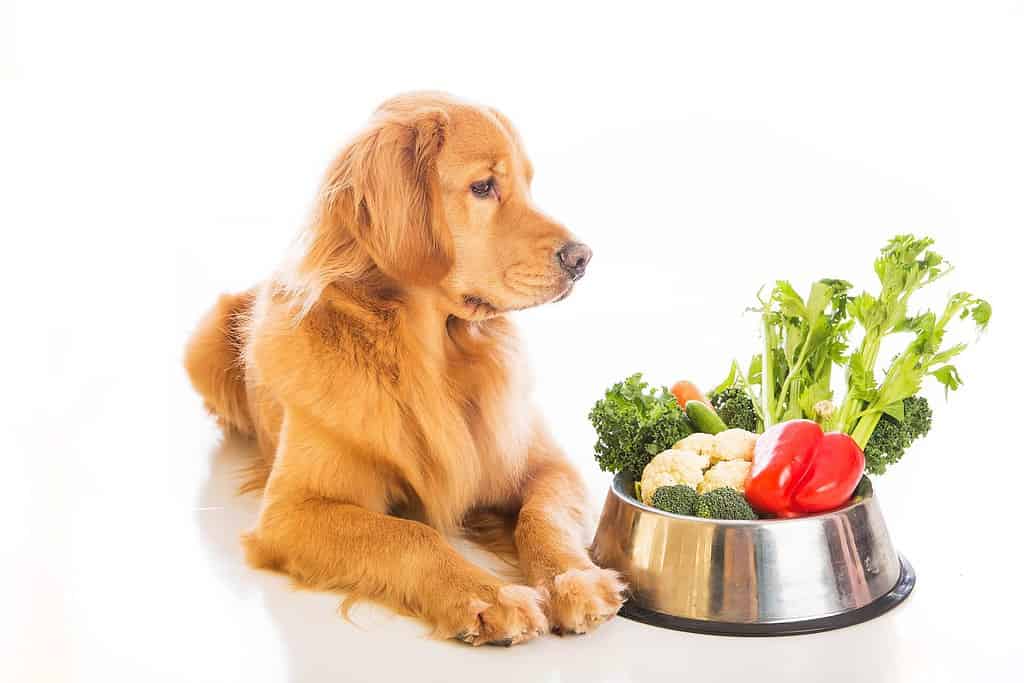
(898, 594)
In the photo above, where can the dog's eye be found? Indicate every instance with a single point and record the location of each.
(483, 188)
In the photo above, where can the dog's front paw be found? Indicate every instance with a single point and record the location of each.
(515, 616)
(583, 599)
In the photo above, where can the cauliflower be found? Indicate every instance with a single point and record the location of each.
(670, 468)
(728, 454)
(731, 473)
(733, 444)
(698, 442)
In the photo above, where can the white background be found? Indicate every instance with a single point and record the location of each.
(153, 155)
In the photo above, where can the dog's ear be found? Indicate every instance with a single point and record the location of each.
(385, 188)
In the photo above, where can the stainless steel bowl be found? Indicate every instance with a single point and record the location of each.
(764, 577)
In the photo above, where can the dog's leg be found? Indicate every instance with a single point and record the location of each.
(552, 552)
(329, 544)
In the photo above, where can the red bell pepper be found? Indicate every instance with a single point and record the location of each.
(798, 469)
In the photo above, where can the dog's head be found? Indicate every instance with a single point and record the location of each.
(436, 192)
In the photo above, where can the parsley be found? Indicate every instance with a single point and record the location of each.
(634, 423)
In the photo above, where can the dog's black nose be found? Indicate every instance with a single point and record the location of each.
(574, 257)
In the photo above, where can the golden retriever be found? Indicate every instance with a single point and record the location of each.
(386, 389)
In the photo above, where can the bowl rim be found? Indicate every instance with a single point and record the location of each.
(622, 483)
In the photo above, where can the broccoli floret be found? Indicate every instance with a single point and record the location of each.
(892, 437)
(736, 409)
(678, 499)
(723, 503)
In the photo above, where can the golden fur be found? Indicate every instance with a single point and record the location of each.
(387, 391)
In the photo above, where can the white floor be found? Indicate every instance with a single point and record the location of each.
(123, 548)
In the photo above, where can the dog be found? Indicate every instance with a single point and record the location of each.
(383, 382)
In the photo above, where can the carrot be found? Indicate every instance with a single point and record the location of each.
(688, 391)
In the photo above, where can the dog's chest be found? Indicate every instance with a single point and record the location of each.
(500, 427)
(491, 384)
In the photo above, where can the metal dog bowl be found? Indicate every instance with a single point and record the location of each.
(751, 578)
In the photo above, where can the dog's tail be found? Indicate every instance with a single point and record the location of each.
(213, 359)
